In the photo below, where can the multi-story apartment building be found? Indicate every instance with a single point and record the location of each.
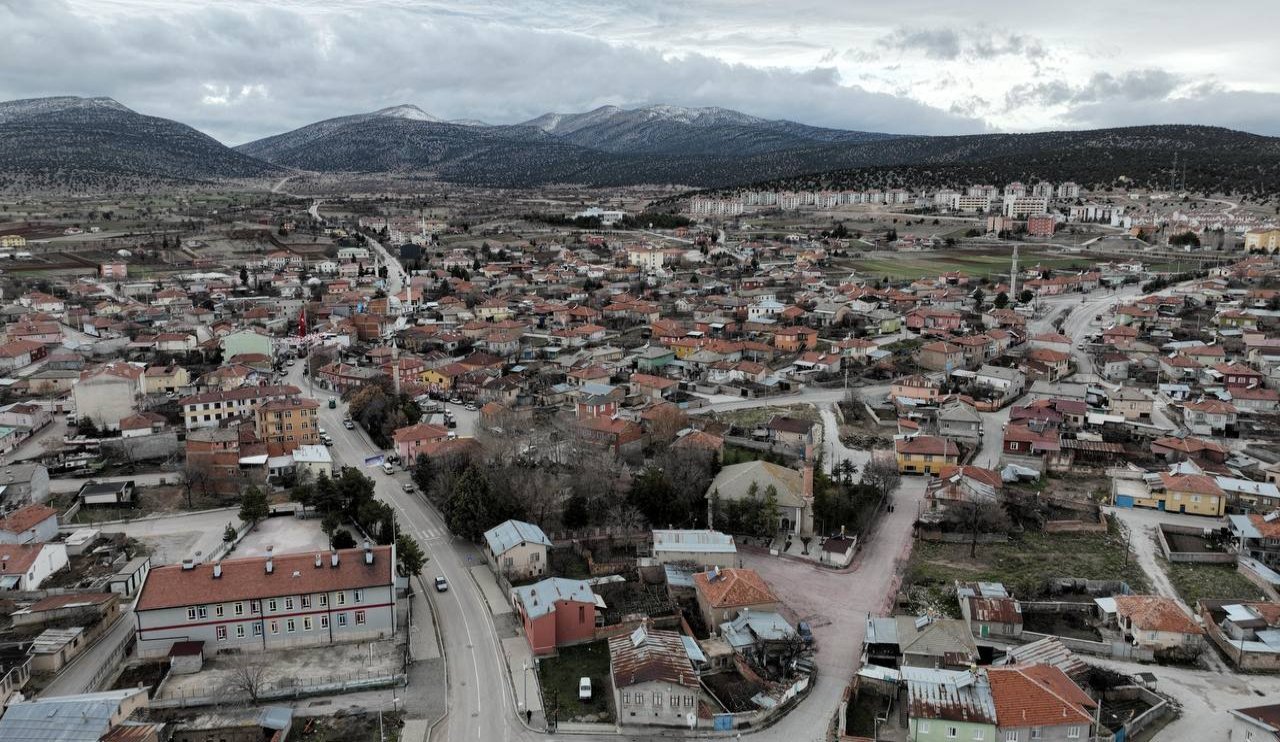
(207, 409)
(1043, 189)
(291, 422)
(1020, 207)
(972, 203)
(269, 602)
(1068, 190)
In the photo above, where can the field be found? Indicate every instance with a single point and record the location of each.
(978, 264)
(1026, 562)
(1210, 581)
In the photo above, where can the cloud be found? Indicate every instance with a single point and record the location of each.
(239, 73)
(949, 45)
(934, 44)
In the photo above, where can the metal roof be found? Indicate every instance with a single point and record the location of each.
(703, 541)
(512, 533)
(82, 718)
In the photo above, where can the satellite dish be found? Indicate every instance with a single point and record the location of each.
(692, 719)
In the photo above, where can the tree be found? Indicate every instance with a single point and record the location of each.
(254, 506)
(576, 514)
(1026, 296)
(194, 477)
(248, 675)
(412, 560)
(244, 276)
(1001, 300)
(881, 473)
(975, 517)
(978, 296)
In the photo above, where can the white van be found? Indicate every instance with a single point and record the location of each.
(387, 468)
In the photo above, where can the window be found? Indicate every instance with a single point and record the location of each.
(359, 618)
(979, 735)
(191, 614)
(324, 622)
(675, 701)
(1074, 733)
(688, 701)
(657, 699)
(357, 596)
(255, 606)
(221, 633)
(238, 609)
(324, 600)
(271, 605)
(288, 604)
(952, 732)
(1011, 736)
(275, 627)
(217, 610)
(306, 623)
(290, 626)
(626, 699)
(582, 613)
(257, 629)
(922, 726)
(342, 619)
(203, 611)
(239, 631)
(306, 601)
(342, 598)
(1035, 732)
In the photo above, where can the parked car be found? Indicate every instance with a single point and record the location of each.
(387, 468)
(805, 631)
(442, 585)
(333, 404)
(455, 400)
(349, 425)
(584, 689)
(407, 486)
(290, 362)
(471, 407)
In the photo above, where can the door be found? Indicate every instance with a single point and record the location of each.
(986, 631)
(1160, 505)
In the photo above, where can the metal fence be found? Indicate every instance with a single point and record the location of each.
(284, 688)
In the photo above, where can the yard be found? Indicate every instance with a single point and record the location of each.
(1027, 561)
(1213, 581)
(559, 677)
(756, 416)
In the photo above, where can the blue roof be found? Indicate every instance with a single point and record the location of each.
(540, 598)
(82, 718)
(512, 533)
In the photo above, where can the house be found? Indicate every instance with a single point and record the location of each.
(1008, 382)
(1257, 537)
(1131, 403)
(269, 602)
(763, 636)
(556, 612)
(791, 431)
(413, 439)
(757, 479)
(312, 459)
(652, 387)
(917, 387)
(517, 550)
(957, 419)
(990, 611)
(1236, 376)
(924, 454)
(948, 705)
(703, 548)
(29, 524)
(722, 593)
(108, 394)
(19, 353)
(941, 356)
(1209, 417)
(21, 484)
(654, 681)
(937, 643)
(27, 566)
(1256, 723)
(1040, 702)
(1197, 494)
(1158, 623)
(86, 717)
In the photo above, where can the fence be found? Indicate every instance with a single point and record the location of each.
(285, 689)
(112, 664)
(1159, 708)
(1164, 530)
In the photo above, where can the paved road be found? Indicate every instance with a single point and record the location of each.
(76, 677)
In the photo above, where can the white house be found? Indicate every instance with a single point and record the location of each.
(27, 566)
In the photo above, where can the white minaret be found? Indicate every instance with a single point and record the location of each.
(1013, 277)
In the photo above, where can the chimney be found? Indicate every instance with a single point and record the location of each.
(808, 473)
(270, 562)
(319, 561)
(368, 552)
(188, 565)
(333, 558)
(217, 570)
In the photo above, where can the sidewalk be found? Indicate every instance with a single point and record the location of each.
(423, 644)
(521, 665)
(498, 603)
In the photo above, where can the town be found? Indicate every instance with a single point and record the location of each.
(980, 463)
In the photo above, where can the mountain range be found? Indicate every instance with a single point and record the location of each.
(93, 143)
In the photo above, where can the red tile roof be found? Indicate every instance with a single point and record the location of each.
(26, 518)
(1156, 613)
(1038, 696)
(733, 588)
(171, 586)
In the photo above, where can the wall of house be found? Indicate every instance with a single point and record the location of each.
(1060, 733)
(649, 704)
(105, 400)
(575, 622)
(540, 632)
(159, 629)
(521, 561)
(938, 730)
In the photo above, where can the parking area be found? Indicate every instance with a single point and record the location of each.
(285, 535)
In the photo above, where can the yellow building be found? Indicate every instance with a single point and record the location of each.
(292, 422)
(925, 454)
(1262, 240)
(12, 240)
(162, 379)
(1194, 494)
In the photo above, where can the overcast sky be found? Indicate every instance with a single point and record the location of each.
(240, 69)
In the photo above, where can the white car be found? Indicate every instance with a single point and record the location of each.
(584, 689)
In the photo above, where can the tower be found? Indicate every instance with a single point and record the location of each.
(1013, 277)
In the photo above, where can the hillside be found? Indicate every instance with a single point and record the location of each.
(97, 144)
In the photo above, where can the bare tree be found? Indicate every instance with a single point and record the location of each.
(249, 675)
(978, 516)
(881, 472)
(195, 477)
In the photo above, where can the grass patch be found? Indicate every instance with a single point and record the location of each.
(1212, 581)
(753, 417)
(559, 677)
(1026, 562)
(978, 265)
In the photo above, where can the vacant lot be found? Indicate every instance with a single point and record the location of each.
(976, 264)
(559, 677)
(1212, 581)
(1026, 562)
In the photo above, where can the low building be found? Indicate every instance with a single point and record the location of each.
(723, 593)
(702, 548)
(27, 566)
(29, 524)
(97, 494)
(1256, 723)
(960, 420)
(517, 550)
(1158, 623)
(1040, 702)
(314, 460)
(925, 454)
(21, 484)
(990, 611)
(654, 681)
(556, 612)
(948, 705)
(414, 439)
(87, 717)
(269, 602)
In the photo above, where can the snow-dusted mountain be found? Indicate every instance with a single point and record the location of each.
(676, 130)
(69, 142)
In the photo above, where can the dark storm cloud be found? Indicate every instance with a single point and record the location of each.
(239, 74)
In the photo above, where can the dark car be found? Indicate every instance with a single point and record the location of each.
(805, 632)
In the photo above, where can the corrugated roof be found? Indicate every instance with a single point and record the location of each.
(948, 695)
(512, 533)
(541, 597)
(648, 655)
(82, 718)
